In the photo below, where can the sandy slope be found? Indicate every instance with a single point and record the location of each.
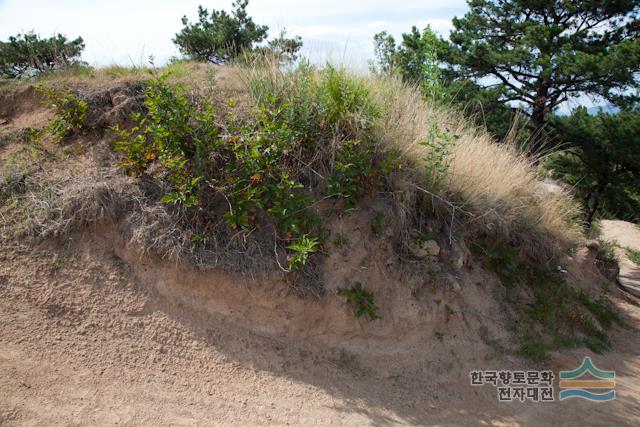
(85, 341)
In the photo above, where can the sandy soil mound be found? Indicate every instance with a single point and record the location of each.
(93, 330)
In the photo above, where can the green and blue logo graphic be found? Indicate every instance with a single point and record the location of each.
(571, 385)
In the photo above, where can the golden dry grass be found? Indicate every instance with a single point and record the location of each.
(495, 184)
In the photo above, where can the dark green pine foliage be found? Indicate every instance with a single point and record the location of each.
(545, 52)
(220, 36)
(601, 161)
(27, 54)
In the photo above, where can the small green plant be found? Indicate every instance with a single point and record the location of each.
(634, 255)
(340, 240)
(70, 112)
(437, 160)
(196, 237)
(302, 248)
(355, 173)
(448, 311)
(362, 299)
(377, 224)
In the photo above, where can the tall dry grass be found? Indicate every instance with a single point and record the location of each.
(494, 184)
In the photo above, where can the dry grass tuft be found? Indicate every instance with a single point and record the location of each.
(494, 187)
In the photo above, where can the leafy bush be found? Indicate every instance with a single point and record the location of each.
(27, 54)
(174, 133)
(249, 166)
(354, 172)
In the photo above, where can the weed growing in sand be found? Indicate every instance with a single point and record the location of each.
(340, 240)
(361, 299)
(437, 155)
(302, 248)
(70, 112)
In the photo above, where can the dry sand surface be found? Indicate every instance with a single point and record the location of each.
(86, 340)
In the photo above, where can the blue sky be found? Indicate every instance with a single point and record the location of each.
(126, 32)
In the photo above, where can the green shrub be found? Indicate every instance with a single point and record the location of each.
(355, 174)
(70, 112)
(176, 134)
(250, 165)
(568, 315)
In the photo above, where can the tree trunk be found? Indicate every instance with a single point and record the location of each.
(540, 109)
(591, 210)
(538, 137)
